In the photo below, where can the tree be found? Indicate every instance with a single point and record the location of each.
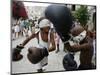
(82, 15)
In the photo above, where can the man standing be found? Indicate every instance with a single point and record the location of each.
(45, 38)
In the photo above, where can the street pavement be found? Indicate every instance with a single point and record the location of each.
(54, 59)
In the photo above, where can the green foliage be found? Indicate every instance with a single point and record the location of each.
(82, 15)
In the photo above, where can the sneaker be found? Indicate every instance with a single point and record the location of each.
(40, 70)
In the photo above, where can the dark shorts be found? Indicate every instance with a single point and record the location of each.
(86, 67)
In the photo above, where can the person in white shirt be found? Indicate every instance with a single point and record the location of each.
(45, 38)
(17, 30)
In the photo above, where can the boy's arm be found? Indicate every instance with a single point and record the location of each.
(53, 47)
(78, 47)
(28, 39)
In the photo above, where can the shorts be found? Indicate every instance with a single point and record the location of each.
(42, 63)
(86, 67)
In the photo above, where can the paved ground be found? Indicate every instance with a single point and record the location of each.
(54, 59)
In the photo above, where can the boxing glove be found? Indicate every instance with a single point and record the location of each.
(16, 53)
(35, 54)
(69, 63)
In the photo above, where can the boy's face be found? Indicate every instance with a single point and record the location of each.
(75, 31)
(45, 29)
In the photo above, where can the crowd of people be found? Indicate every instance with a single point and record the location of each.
(22, 27)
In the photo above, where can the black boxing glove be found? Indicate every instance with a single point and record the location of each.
(45, 52)
(35, 55)
(16, 53)
(69, 63)
(61, 18)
